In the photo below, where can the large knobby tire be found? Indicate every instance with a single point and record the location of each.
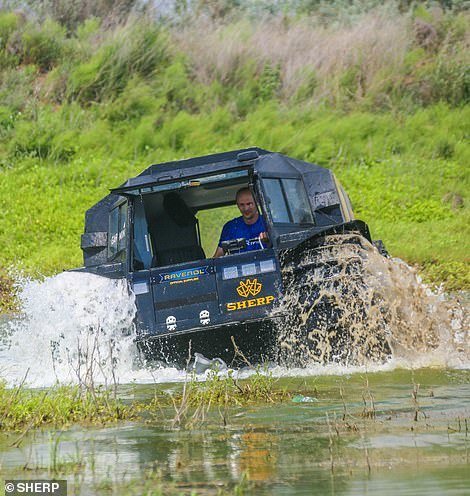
(332, 314)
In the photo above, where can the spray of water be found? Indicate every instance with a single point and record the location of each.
(73, 328)
(351, 309)
(350, 305)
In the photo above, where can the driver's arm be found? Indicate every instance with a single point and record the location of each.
(218, 253)
(224, 236)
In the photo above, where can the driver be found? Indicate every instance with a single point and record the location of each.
(249, 225)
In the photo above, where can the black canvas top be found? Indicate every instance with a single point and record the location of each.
(278, 165)
(269, 163)
(179, 169)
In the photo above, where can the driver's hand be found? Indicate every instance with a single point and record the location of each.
(264, 237)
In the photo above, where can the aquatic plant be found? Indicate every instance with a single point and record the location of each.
(63, 405)
(223, 390)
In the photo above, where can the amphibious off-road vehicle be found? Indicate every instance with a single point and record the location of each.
(149, 231)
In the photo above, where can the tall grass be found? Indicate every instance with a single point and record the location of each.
(135, 48)
(379, 96)
(381, 59)
(313, 60)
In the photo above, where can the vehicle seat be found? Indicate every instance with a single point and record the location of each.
(176, 234)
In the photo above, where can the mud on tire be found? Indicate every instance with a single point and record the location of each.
(332, 314)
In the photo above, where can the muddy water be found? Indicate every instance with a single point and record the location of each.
(341, 434)
(391, 414)
(347, 303)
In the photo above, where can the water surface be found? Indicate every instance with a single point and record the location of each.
(398, 427)
(343, 434)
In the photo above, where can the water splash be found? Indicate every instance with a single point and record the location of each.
(350, 305)
(73, 328)
(78, 327)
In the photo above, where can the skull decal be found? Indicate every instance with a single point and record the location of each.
(171, 322)
(204, 317)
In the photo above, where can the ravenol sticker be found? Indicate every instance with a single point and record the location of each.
(188, 275)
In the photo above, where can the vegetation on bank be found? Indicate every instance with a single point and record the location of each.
(8, 300)
(64, 405)
(380, 96)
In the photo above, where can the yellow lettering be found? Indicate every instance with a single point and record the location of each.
(255, 302)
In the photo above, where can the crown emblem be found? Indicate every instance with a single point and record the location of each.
(249, 287)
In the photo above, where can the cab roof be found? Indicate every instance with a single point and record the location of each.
(267, 163)
(197, 166)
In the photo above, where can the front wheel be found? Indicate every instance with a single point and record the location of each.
(333, 315)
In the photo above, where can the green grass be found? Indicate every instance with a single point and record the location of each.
(64, 405)
(25, 409)
(85, 110)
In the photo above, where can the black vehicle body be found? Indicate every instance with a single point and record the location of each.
(147, 231)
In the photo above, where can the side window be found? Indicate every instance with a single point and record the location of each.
(297, 198)
(142, 248)
(277, 201)
(117, 230)
(288, 201)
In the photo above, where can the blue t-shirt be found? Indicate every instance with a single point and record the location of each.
(238, 228)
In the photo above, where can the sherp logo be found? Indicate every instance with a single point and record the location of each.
(249, 287)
